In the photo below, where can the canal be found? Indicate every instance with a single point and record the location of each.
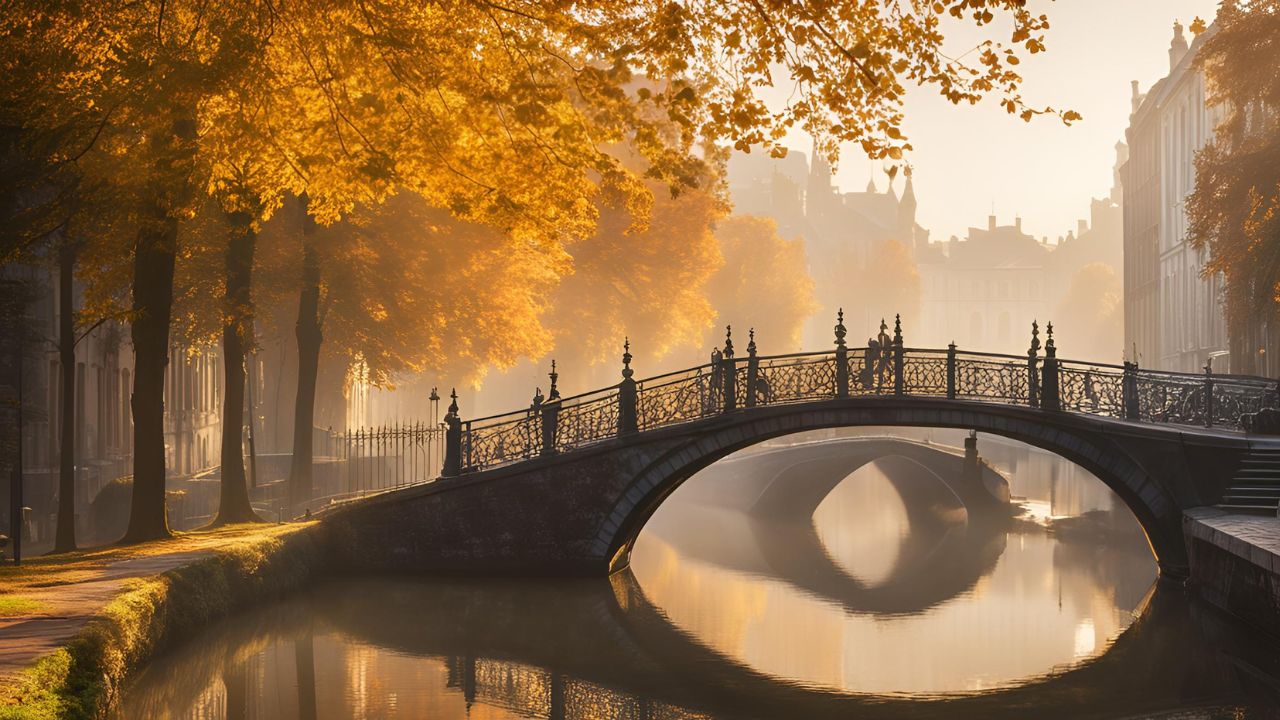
(891, 602)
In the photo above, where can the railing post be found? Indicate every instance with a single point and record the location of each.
(842, 357)
(753, 368)
(452, 439)
(1033, 379)
(951, 371)
(1208, 393)
(1129, 391)
(898, 358)
(628, 422)
(551, 413)
(1049, 394)
(730, 381)
(468, 446)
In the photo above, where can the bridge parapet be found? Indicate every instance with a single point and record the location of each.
(729, 384)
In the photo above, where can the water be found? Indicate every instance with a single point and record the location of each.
(881, 607)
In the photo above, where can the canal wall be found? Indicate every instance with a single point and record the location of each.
(1235, 563)
(84, 677)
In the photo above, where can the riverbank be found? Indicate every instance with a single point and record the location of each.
(74, 626)
(1235, 563)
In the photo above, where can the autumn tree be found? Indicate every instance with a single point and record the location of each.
(400, 288)
(888, 284)
(1089, 320)
(764, 283)
(647, 284)
(501, 113)
(1234, 211)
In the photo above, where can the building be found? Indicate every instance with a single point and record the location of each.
(840, 229)
(984, 291)
(1174, 316)
(102, 413)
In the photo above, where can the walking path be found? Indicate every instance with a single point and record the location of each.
(1254, 538)
(46, 601)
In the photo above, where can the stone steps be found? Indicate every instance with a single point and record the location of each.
(1255, 487)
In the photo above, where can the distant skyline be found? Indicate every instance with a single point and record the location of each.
(969, 159)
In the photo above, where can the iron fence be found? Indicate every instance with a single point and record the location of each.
(728, 384)
(389, 456)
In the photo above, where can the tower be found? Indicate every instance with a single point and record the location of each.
(819, 194)
(907, 216)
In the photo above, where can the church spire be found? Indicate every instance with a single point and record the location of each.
(818, 192)
(907, 214)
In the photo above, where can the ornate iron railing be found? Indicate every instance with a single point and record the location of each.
(730, 384)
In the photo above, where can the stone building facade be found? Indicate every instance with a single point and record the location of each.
(1174, 316)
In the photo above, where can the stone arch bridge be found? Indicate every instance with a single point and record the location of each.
(565, 485)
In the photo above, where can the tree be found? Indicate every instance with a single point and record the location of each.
(1089, 320)
(401, 287)
(887, 285)
(647, 283)
(764, 282)
(501, 113)
(1234, 211)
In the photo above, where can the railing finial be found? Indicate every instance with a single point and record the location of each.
(840, 329)
(728, 341)
(883, 338)
(554, 393)
(897, 329)
(627, 372)
(453, 404)
(1035, 339)
(1049, 348)
(751, 344)
(538, 399)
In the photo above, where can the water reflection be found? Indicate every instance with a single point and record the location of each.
(714, 621)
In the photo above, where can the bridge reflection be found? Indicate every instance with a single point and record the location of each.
(536, 692)
(602, 649)
(775, 493)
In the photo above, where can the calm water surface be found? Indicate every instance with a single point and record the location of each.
(882, 606)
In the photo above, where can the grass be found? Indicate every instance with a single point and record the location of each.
(84, 678)
(17, 605)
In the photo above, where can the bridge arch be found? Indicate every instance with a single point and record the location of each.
(784, 488)
(1078, 439)
(777, 490)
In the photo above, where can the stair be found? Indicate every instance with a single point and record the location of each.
(1255, 488)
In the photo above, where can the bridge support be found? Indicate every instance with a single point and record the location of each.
(628, 421)
(452, 439)
(1050, 399)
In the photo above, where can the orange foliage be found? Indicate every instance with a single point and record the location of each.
(764, 283)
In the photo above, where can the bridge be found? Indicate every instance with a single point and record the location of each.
(565, 485)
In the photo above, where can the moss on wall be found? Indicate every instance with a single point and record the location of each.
(84, 679)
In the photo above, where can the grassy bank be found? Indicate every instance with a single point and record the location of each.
(83, 679)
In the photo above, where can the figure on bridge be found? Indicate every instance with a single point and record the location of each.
(879, 362)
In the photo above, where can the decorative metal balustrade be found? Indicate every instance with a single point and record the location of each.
(730, 384)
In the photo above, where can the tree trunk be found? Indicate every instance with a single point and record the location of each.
(235, 681)
(234, 506)
(310, 337)
(155, 253)
(304, 657)
(152, 304)
(65, 539)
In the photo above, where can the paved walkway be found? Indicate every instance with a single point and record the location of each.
(1255, 538)
(65, 609)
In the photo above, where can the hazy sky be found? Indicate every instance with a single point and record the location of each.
(966, 158)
